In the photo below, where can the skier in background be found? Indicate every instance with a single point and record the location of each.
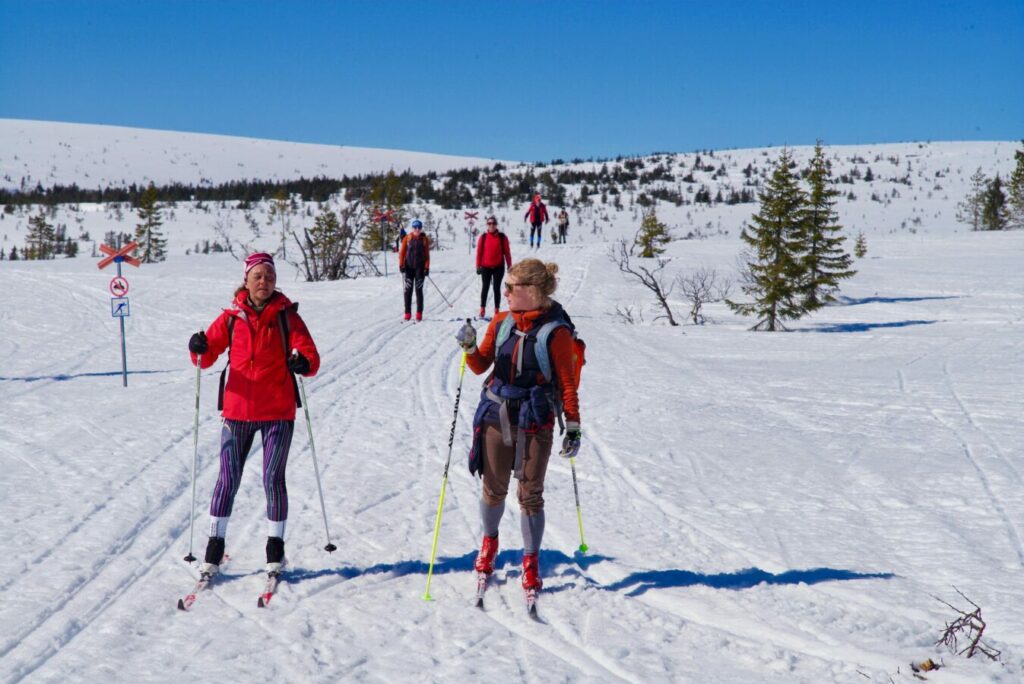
(267, 341)
(506, 438)
(563, 225)
(537, 214)
(492, 257)
(414, 263)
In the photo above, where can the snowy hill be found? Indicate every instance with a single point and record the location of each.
(759, 507)
(95, 156)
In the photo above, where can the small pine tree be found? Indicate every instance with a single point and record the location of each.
(969, 210)
(824, 261)
(152, 245)
(652, 236)
(387, 195)
(773, 273)
(860, 246)
(993, 211)
(39, 242)
(282, 208)
(13, 256)
(1015, 192)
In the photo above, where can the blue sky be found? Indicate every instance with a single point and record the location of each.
(524, 80)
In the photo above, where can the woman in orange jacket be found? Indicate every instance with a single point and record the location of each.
(531, 352)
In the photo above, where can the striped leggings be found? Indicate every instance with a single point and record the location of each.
(236, 439)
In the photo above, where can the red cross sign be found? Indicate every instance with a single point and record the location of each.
(119, 255)
(471, 215)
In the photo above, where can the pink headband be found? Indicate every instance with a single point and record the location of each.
(254, 260)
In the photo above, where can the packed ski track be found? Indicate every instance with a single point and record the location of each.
(758, 507)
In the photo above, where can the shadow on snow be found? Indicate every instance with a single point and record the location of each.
(557, 564)
(741, 579)
(60, 377)
(863, 327)
(856, 301)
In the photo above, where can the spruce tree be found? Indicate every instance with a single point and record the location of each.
(652, 236)
(152, 245)
(860, 246)
(386, 194)
(969, 209)
(773, 274)
(993, 209)
(824, 261)
(1015, 192)
(39, 242)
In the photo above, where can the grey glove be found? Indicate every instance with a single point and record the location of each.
(571, 441)
(466, 337)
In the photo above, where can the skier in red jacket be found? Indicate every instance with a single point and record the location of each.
(537, 214)
(492, 257)
(267, 342)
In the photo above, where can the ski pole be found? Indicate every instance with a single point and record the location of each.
(330, 548)
(439, 292)
(195, 457)
(444, 482)
(579, 512)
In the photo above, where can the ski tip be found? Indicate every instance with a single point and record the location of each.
(181, 604)
(260, 603)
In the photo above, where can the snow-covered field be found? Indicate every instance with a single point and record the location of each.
(758, 507)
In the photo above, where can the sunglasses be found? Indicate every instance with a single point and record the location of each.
(509, 287)
(492, 223)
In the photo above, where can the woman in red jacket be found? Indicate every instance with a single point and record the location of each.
(492, 257)
(267, 342)
(533, 354)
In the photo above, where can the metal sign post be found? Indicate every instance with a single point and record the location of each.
(119, 307)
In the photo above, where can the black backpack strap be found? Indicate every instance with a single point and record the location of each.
(285, 336)
(224, 373)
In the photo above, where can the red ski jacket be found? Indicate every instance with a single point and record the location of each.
(259, 386)
(490, 252)
(537, 213)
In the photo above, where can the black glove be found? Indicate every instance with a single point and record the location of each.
(297, 363)
(426, 272)
(198, 344)
(479, 270)
(571, 443)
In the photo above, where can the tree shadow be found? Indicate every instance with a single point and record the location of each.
(741, 579)
(857, 301)
(863, 327)
(61, 377)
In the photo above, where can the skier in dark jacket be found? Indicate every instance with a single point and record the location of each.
(492, 257)
(267, 341)
(414, 263)
(520, 440)
(537, 215)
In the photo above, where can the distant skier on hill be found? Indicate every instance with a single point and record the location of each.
(563, 225)
(414, 263)
(513, 426)
(537, 215)
(492, 257)
(259, 331)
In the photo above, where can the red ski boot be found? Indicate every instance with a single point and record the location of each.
(531, 572)
(488, 552)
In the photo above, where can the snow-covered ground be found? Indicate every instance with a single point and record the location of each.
(758, 507)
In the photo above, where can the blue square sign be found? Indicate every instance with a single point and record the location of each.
(119, 307)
